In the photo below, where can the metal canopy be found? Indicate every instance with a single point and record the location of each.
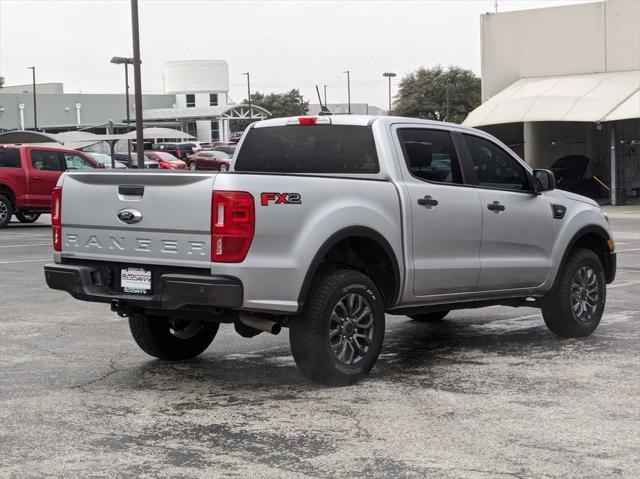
(207, 112)
(154, 133)
(597, 97)
(24, 136)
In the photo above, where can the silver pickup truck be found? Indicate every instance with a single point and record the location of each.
(322, 225)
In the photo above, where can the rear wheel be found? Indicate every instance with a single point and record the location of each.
(193, 166)
(223, 167)
(6, 210)
(27, 216)
(171, 339)
(338, 337)
(434, 316)
(574, 307)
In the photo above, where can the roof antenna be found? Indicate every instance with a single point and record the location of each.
(323, 108)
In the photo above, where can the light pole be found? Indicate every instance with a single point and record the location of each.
(126, 61)
(389, 75)
(35, 106)
(137, 81)
(348, 91)
(325, 95)
(248, 92)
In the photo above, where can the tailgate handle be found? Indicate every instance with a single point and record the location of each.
(131, 190)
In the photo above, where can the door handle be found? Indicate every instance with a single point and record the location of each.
(496, 206)
(37, 178)
(427, 201)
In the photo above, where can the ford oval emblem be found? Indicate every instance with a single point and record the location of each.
(129, 216)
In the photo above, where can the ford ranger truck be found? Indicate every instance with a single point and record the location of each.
(323, 225)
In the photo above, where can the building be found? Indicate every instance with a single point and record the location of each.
(195, 101)
(566, 80)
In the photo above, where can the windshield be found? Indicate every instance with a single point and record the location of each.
(309, 149)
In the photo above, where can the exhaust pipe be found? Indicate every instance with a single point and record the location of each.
(261, 324)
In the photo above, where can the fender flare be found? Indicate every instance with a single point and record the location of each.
(335, 238)
(609, 266)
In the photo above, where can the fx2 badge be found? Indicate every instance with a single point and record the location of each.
(280, 199)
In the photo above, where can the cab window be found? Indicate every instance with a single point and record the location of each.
(494, 167)
(45, 160)
(76, 162)
(430, 155)
(9, 158)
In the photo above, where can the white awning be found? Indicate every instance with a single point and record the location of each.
(594, 98)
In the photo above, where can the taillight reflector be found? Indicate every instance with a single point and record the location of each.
(232, 225)
(56, 218)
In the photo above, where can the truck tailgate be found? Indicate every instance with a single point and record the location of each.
(154, 218)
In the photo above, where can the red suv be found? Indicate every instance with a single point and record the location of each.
(28, 174)
(166, 160)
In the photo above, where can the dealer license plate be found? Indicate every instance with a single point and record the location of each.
(135, 280)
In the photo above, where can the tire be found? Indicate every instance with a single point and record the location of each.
(27, 217)
(171, 340)
(223, 167)
(574, 307)
(428, 317)
(335, 298)
(6, 211)
(193, 166)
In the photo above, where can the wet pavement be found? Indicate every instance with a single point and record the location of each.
(484, 393)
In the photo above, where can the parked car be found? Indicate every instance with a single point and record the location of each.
(104, 159)
(166, 160)
(209, 160)
(235, 136)
(228, 147)
(179, 150)
(574, 173)
(28, 174)
(323, 225)
(124, 159)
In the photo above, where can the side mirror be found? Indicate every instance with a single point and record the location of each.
(543, 180)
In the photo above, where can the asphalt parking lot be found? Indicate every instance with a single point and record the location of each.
(484, 393)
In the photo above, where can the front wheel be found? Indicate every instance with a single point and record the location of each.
(223, 167)
(171, 339)
(338, 337)
(27, 217)
(574, 307)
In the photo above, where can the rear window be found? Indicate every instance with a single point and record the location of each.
(309, 149)
(9, 158)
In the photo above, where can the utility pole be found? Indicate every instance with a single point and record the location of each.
(137, 81)
(348, 91)
(248, 92)
(325, 95)
(35, 106)
(126, 62)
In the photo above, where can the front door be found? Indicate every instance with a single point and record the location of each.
(45, 169)
(445, 216)
(517, 224)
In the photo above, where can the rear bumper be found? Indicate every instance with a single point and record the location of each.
(172, 291)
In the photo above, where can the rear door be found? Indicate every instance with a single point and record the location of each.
(446, 218)
(517, 224)
(45, 169)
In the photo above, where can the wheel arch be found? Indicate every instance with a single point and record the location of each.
(339, 242)
(594, 238)
(8, 192)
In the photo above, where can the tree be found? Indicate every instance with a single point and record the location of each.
(424, 93)
(290, 103)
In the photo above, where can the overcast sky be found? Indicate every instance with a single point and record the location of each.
(284, 44)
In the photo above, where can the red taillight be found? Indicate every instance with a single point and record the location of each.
(232, 226)
(307, 120)
(56, 218)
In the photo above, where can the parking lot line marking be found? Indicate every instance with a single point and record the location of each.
(25, 245)
(623, 284)
(627, 250)
(25, 261)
